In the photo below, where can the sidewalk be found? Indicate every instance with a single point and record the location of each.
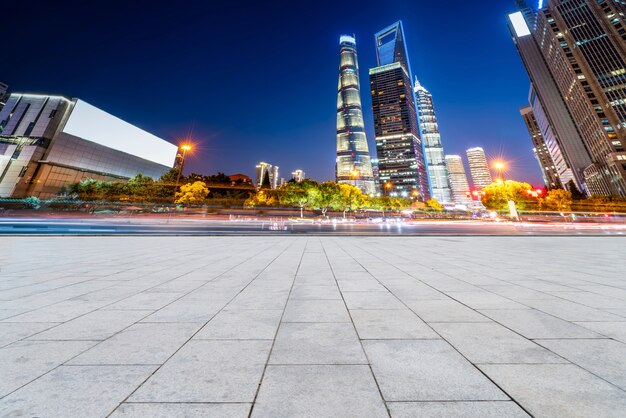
(312, 326)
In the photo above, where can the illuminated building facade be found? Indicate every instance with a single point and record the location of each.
(3, 94)
(479, 168)
(267, 176)
(583, 45)
(433, 147)
(458, 179)
(353, 164)
(47, 142)
(398, 144)
(298, 175)
(540, 149)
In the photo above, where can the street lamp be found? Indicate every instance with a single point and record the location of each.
(499, 165)
(185, 148)
(388, 187)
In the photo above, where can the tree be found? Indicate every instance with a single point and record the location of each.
(192, 194)
(559, 200)
(302, 195)
(351, 198)
(497, 195)
(264, 197)
(433, 205)
(327, 197)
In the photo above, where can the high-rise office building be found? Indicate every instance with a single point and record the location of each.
(433, 147)
(353, 165)
(479, 168)
(540, 149)
(4, 95)
(47, 142)
(458, 179)
(298, 176)
(267, 176)
(398, 144)
(582, 43)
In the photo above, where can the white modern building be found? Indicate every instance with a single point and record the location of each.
(267, 174)
(458, 179)
(298, 175)
(47, 142)
(479, 168)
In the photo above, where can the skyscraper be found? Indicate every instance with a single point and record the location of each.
(479, 168)
(541, 151)
(3, 94)
(353, 165)
(582, 44)
(458, 179)
(398, 144)
(433, 148)
(267, 175)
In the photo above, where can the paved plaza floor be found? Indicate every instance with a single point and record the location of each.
(312, 327)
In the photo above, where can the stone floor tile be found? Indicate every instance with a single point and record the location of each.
(535, 324)
(24, 361)
(426, 370)
(445, 311)
(208, 371)
(316, 311)
(493, 343)
(311, 292)
(372, 300)
(75, 391)
(604, 358)
(558, 390)
(238, 324)
(182, 410)
(141, 343)
(390, 324)
(317, 343)
(14, 331)
(616, 330)
(97, 325)
(488, 409)
(319, 391)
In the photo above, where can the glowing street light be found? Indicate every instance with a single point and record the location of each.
(499, 165)
(185, 148)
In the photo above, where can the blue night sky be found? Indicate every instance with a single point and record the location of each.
(253, 81)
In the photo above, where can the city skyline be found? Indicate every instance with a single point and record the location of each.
(207, 113)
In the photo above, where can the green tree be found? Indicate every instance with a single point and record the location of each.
(559, 200)
(326, 197)
(433, 205)
(351, 198)
(302, 195)
(192, 194)
(497, 195)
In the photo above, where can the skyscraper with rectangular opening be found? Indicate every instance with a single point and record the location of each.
(398, 144)
(353, 165)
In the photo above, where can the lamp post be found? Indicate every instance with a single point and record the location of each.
(387, 188)
(184, 148)
(499, 166)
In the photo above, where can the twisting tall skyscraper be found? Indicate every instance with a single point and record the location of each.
(398, 144)
(433, 148)
(354, 165)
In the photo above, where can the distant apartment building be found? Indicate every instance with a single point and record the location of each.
(540, 149)
(479, 168)
(298, 175)
(458, 179)
(267, 176)
(47, 142)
